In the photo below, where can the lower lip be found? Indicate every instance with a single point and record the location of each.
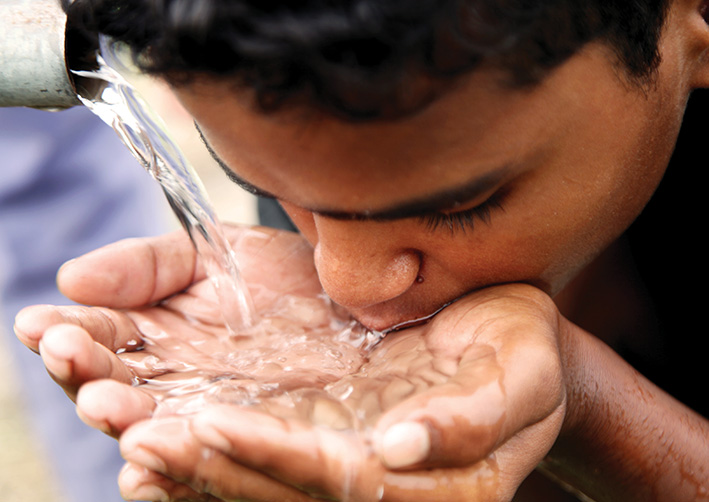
(415, 322)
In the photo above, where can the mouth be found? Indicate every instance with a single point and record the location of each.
(390, 321)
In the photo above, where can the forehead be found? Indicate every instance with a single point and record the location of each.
(477, 127)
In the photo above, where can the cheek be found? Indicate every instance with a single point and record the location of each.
(543, 244)
(455, 264)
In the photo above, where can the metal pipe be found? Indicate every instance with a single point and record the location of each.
(33, 67)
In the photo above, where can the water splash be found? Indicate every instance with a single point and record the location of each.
(120, 106)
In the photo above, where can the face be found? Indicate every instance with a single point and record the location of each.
(487, 185)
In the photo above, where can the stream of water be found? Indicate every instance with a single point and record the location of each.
(119, 105)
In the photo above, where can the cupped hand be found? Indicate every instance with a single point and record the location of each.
(462, 408)
(143, 288)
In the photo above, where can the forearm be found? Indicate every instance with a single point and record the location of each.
(624, 439)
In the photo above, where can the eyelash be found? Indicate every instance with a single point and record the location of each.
(462, 221)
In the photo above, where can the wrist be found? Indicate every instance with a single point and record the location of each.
(623, 438)
(577, 357)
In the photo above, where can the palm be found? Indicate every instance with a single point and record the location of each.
(187, 358)
(457, 367)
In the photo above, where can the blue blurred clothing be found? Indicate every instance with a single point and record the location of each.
(68, 186)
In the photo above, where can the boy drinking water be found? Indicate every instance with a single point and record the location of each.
(469, 156)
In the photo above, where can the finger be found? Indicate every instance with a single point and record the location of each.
(479, 483)
(322, 461)
(138, 483)
(482, 406)
(328, 463)
(110, 328)
(169, 448)
(111, 406)
(132, 272)
(73, 358)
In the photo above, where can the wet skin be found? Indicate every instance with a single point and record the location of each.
(488, 185)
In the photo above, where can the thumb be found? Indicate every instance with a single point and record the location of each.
(466, 419)
(131, 272)
(458, 422)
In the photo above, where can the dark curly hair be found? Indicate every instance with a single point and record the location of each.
(361, 59)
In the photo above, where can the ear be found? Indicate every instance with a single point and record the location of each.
(694, 22)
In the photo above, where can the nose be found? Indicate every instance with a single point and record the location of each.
(362, 263)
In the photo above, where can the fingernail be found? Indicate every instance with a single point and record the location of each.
(57, 365)
(404, 444)
(145, 458)
(149, 492)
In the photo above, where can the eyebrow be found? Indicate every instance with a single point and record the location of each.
(440, 201)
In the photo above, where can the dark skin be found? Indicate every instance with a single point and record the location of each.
(584, 151)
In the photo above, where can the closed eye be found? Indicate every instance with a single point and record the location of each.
(464, 220)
